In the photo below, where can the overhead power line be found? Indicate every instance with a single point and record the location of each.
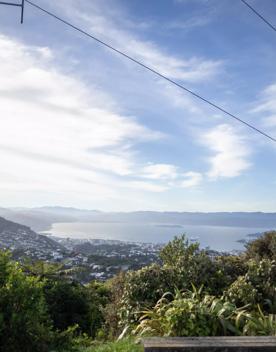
(152, 70)
(259, 15)
(16, 5)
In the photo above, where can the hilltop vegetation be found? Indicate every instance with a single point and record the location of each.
(187, 294)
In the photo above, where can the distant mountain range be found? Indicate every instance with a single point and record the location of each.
(41, 219)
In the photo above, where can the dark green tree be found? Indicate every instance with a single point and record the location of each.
(24, 322)
(70, 303)
(67, 304)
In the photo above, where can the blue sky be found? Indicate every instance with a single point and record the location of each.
(84, 127)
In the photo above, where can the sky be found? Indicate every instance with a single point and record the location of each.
(82, 126)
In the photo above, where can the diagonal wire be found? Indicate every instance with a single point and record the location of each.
(152, 70)
(259, 15)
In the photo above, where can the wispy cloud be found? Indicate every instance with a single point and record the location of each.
(55, 123)
(267, 105)
(191, 179)
(231, 152)
(191, 69)
(196, 21)
(61, 138)
(147, 186)
(160, 171)
(93, 133)
(171, 176)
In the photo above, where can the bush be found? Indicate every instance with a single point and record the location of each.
(184, 264)
(257, 286)
(41, 310)
(70, 304)
(191, 265)
(230, 267)
(119, 346)
(188, 314)
(143, 288)
(197, 314)
(263, 247)
(24, 322)
(46, 312)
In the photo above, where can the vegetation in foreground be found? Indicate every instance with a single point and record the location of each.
(188, 294)
(126, 345)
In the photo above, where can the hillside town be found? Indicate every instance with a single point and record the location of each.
(92, 258)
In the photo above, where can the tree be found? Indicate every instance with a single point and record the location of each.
(191, 265)
(24, 322)
(230, 267)
(70, 304)
(184, 265)
(178, 252)
(98, 296)
(263, 247)
(67, 304)
(257, 286)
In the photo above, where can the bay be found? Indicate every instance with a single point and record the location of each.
(221, 238)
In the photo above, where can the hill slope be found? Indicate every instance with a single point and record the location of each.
(18, 237)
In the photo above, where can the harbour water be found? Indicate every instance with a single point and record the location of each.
(221, 238)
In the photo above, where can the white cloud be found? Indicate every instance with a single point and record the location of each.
(56, 132)
(267, 106)
(170, 176)
(147, 186)
(231, 152)
(191, 179)
(62, 138)
(180, 99)
(160, 171)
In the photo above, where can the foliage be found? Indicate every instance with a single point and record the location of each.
(257, 323)
(257, 286)
(98, 295)
(70, 303)
(119, 346)
(43, 309)
(143, 288)
(194, 266)
(40, 309)
(188, 314)
(184, 264)
(178, 252)
(263, 247)
(229, 268)
(67, 304)
(198, 314)
(24, 322)
(111, 310)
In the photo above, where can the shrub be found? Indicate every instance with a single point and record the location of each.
(263, 247)
(196, 314)
(257, 286)
(184, 264)
(230, 267)
(188, 314)
(191, 265)
(24, 323)
(143, 288)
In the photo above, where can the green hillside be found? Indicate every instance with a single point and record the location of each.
(188, 294)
